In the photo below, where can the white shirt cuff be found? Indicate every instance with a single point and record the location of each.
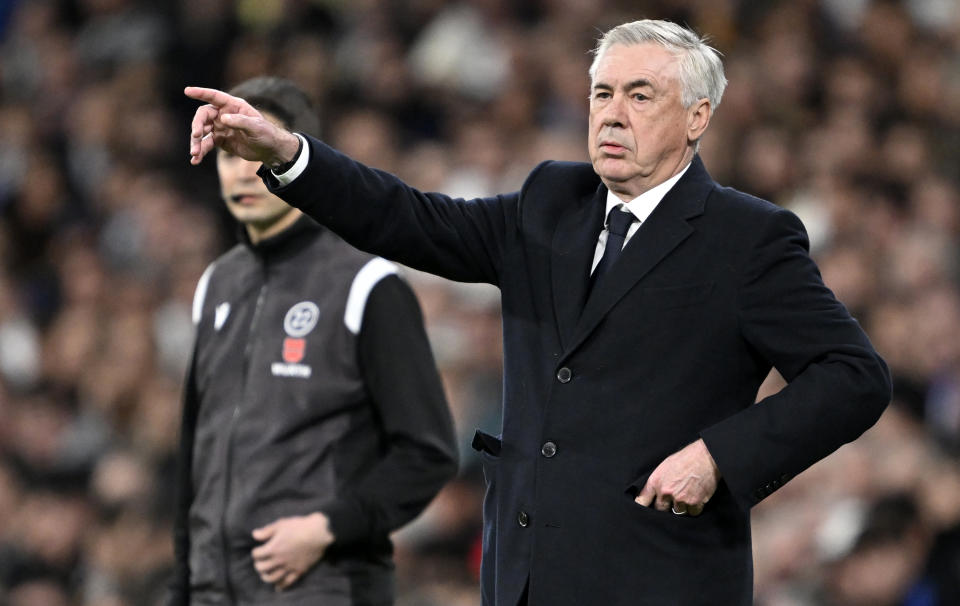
(298, 166)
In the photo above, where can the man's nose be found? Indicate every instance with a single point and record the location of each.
(614, 113)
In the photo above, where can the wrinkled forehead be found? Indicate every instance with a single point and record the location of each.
(622, 62)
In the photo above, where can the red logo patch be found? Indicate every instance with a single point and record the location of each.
(293, 350)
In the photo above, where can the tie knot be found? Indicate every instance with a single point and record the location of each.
(619, 221)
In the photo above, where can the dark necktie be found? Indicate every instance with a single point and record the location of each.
(618, 223)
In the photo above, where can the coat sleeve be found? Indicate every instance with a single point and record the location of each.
(837, 384)
(374, 211)
(420, 454)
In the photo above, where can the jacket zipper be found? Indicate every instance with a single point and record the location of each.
(247, 353)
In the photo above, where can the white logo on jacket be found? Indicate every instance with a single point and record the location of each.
(301, 319)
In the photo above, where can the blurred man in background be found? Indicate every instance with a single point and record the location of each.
(314, 419)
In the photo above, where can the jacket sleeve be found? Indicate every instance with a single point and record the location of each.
(374, 211)
(179, 588)
(837, 384)
(421, 452)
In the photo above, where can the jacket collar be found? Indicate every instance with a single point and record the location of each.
(579, 312)
(294, 238)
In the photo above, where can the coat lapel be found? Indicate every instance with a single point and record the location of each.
(574, 243)
(663, 231)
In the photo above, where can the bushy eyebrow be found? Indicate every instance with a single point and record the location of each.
(640, 82)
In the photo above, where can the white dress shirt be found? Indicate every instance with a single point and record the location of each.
(298, 166)
(641, 207)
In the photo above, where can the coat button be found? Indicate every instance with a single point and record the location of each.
(564, 375)
(523, 519)
(548, 449)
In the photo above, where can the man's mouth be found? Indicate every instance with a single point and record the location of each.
(612, 147)
(244, 198)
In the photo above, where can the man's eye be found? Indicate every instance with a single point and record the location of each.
(601, 95)
(640, 97)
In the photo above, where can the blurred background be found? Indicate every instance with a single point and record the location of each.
(845, 111)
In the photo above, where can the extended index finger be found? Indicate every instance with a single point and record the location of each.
(212, 96)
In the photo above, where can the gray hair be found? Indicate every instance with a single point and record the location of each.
(701, 71)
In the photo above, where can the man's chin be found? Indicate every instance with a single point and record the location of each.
(252, 217)
(613, 176)
(612, 168)
(247, 216)
(253, 213)
(260, 220)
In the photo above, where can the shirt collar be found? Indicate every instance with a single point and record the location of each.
(643, 205)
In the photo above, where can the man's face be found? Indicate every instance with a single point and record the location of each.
(640, 133)
(245, 194)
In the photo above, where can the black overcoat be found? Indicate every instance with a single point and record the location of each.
(715, 288)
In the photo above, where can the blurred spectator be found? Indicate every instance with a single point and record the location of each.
(845, 111)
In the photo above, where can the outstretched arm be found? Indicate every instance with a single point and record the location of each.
(374, 211)
(232, 124)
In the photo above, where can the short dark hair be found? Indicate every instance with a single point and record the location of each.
(283, 99)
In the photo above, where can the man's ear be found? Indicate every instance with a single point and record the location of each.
(698, 118)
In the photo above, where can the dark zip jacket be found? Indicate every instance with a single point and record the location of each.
(312, 387)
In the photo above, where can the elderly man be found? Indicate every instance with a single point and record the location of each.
(643, 305)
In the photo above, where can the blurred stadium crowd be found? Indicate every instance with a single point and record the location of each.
(845, 111)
